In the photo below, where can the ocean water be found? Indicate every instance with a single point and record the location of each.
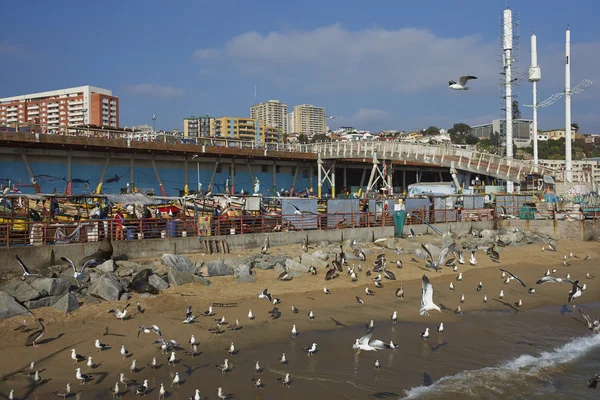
(539, 354)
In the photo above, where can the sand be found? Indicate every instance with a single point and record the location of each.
(79, 329)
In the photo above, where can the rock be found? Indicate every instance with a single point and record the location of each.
(233, 263)
(9, 307)
(125, 296)
(89, 300)
(292, 265)
(128, 265)
(242, 270)
(147, 296)
(350, 256)
(294, 274)
(201, 280)
(247, 279)
(279, 269)
(218, 268)
(269, 262)
(106, 266)
(158, 282)
(309, 261)
(93, 276)
(67, 303)
(324, 243)
(51, 286)
(43, 302)
(177, 278)
(21, 291)
(107, 287)
(123, 272)
(321, 255)
(488, 235)
(179, 263)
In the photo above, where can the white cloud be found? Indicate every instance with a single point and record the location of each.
(333, 59)
(6, 48)
(370, 115)
(155, 90)
(206, 54)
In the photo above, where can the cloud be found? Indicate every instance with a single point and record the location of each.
(7, 48)
(155, 90)
(334, 59)
(206, 54)
(370, 115)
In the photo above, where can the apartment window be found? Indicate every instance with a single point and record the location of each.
(264, 169)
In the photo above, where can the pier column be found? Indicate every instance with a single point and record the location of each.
(232, 177)
(103, 174)
(319, 180)
(131, 175)
(212, 176)
(186, 188)
(30, 172)
(274, 177)
(69, 172)
(160, 185)
(333, 180)
(345, 177)
(404, 179)
(390, 175)
(293, 188)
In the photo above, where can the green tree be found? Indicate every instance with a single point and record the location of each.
(495, 139)
(471, 139)
(302, 138)
(319, 137)
(516, 112)
(459, 132)
(431, 131)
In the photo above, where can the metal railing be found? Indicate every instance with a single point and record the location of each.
(474, 161)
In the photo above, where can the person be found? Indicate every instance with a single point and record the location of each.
(119, 217)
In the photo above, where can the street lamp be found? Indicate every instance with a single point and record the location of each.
(84, 111)
(154, 123)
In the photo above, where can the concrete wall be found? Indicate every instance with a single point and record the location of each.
(42, 256)
(454, 227)
(573, 230)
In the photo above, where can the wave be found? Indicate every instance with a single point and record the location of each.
(523, 372)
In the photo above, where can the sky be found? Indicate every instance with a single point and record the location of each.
(376, 65)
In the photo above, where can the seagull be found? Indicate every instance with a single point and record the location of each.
(172, 359)
(459, 277)
(283, 360)
(513, 276)
(141, 391)
(326, 291)
(311, 350)
(552, 279)
(593, 325)
(35, 337)
(76, 357)
(588, 276)
(257, 384)
(311, 315)
(59, 393)
(298, 211)
(222, 395)
(305, 245)
(209, 312)
(393, 346)
(378, 285)
(231, 349)
(79, 276)
(133, 367)
(294, 331)
(447, 246)
(295, 309)
(479, 287)
(519, 303)
(458, 310)
(120, 314)
(124, 351)
(26, 272)
(189, 318)
(377, 364)
(81, 377)
(462, 82)
(485, 298)
(153, 364)
(461, 257)
(115, 390)
(501, 295)
(371, 325)
(551, 247)
(427, 303)
(400, 292)
(575, 291)
(264, 295)
(587, 257)
(257, 368)
(425, 334)
(369, 292)
(462, 298)
(451, 286)
(90, 363)
(285, 381)
(100, 346)
(175, 380)
(359, 300)
(440, 328)
(149, 329)
(162, 392)
(365, 343)
(265, 247)
(473, 260)
(250, 315)
(223, 367)
(23, 326)
(395, 317)
(126, 381)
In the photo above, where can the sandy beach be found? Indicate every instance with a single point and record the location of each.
(332, 312)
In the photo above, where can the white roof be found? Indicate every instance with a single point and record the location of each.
(78, 89)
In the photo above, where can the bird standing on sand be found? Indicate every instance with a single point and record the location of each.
(162, 392)
(82, 378)
(35, 337)
(326, 291)
(440, 328)
(501, 295)
(175, 380)
(283, 359)
(265, 247)
(462, 298)
(90, 363)
(115, 390)
(473, 260)
(250, 315)
(120, 314)
(400, 291)
(395, 317)
(359, 300)
(124, 351)
(369, 292)
(377, 364)
(519, 303)
(311, 350)
(311, 315)
(100, 346)
(76, 357)
(451, 286)
(285, 381)
(425, 334)
(221, 395)
(59, 393)
(172, 359)
(223, 367)
(141, 391)
(459, 277)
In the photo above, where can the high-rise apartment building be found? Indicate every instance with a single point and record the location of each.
(246, 129)
(309, 119)
(194, 127)
(57, 110)
(273, 112)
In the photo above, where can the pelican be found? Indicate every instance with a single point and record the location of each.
(35, 337)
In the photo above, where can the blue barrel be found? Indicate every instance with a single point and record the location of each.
(129, 234)
(172, 228)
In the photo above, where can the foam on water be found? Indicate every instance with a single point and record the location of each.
(525, 371)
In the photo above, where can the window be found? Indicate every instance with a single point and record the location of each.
(264, 169)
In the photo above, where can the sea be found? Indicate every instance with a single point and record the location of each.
(546, 353)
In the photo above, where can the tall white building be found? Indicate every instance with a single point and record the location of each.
(273, 112)
(290, 119)
(309, 119)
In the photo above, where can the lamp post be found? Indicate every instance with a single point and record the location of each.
(154, 123)
(84, 111)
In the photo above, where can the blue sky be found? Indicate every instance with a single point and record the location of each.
(378, 65)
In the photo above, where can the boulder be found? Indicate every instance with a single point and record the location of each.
(129, 265)
(269, 262)
(241, 270)
(322, 255)
(292, 265)
(178, 278)
(246, 279)
(201, 280)
(279, 269)
(147, 296)
(218, 268)
(89, 300)
(309, 261)
(125, 271)
(21, 291)
(43, 302)
(9, 307)
(106, 266)
(125, 296)
(179, 263)
(294, 274)
(51, 286)
(67, 303)
(158, 282)
(488, 235)
(107, 287)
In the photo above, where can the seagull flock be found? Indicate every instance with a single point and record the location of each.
(171, 349)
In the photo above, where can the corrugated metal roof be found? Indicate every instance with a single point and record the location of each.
(131, 198)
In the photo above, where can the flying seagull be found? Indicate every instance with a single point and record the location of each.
(26, 272)
(462, 83)
(79, 276)
(427, 303)
(365, 343)
(513, 276)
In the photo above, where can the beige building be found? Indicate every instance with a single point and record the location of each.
(194, 127)
(246, 129)
(555, 134)
(273, 112)
(308, 119)
(583, 170)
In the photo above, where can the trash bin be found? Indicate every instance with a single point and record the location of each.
(399, 217)
(129, 234)
(527, 212)
(172, 228)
